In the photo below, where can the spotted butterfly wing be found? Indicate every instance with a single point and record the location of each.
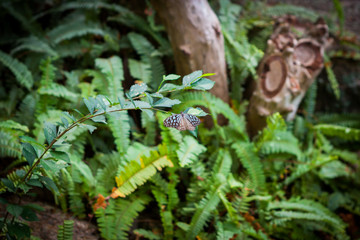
(182, 122)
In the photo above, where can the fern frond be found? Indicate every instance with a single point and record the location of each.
(20, 70)
(145, 49)
(166, 215)
(58, 90)
(280, 146)
(34, 44)
(284, 9)
(345, 133)
(10, 124)
(74, 29)
(332, 78)
(75, 199)
(222, 163)
(346, 120)
(246, 153)
(65, 231)
(9, 146)
(136, 174)
(301, 169)
(189, 150)
(204, 210)
(147, 234)
(116, 220)
(113, 70)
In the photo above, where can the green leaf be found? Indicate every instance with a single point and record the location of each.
(121, 101)
(188, 79)
(100, 101)
(49, 184)
(53, 166)
(196, 111)
(170, 87)
(59, 155)
(166, 102)
(346, 133)
(90, 104)
(80, 113)
(100, 118)
(64, 121)
(20, 70)
(34, 182)
(19, 230)
(137, 89)
(189, 151)
(50, 131)
(67, 114)
(14, 210)
(29, 153)
(150, 99)
(208, 74)
(88, 127)
(203, 84)
(29, 215)
(171, 77)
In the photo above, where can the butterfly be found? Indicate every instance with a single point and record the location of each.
(182, 121)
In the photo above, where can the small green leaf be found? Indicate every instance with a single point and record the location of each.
(151, 100)
(208, 74)
(29, 153)
(20, 173)
(188, 79)
(100, 118)
(49, 184)
(100, 101)
(34, 183)
(14, 210)
(157, 95)
(53, 166)
(137, 89)
(81, 114)
(29, 215)
(170, 87)
(121, 101)
(50, 131)
(196, 111)
(59, 155)
(90, 104)
(64, 121)
(202, 84)
(88, 127)
(166, 102)
(171, 77)
(69, 116)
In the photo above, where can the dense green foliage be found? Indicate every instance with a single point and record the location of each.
(74, 123)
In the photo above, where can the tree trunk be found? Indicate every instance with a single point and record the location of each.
(196, 39)
(293, 60)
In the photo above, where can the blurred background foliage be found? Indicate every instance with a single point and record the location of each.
(294, 180)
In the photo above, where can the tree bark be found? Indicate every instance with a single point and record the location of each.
(196, 39)
(293, 60)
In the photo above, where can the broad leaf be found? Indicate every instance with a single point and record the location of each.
(166, 102)
(171, 77)
(29, 153)
(203, 84)
(188, 79)
(137, 89)
(50, 131)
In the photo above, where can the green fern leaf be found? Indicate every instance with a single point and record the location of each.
(346, 133)
(20, 70)
(246, 153)
(113, 71)
(136, 174)
(58, 90)
(116, 220)
(204, 210)
(189, 150)
(34, 44)
(284, 9)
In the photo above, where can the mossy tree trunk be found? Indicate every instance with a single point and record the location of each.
(196, 39)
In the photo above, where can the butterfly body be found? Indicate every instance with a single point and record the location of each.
(182, 121)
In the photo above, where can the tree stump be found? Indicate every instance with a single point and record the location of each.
(293, 59)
